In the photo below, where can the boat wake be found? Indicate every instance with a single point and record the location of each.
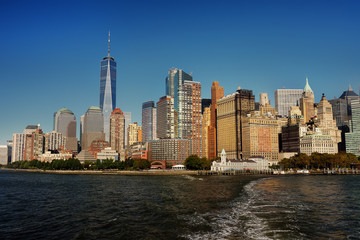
(236, 221)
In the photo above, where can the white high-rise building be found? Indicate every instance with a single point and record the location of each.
(285, 98)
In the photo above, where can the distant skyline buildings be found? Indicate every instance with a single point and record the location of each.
(107, 88)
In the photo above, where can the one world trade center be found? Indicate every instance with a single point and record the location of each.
(107, 89)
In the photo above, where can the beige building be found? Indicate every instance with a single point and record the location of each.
(205, 132)
(134, 133)
(54, 140)
(307, 102)
(117, 133)
(326, 123)
(260, 137)
(231, 109)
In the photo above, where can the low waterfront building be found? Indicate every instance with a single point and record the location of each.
(108, 153)
(317, 143)
(252, 163)
(48, 156)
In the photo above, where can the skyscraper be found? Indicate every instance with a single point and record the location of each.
(148, 121)
(189, 115)
(231, 109)
(286, 98)
(217, 92)
(107, 88)
(307, 102)
(65, 123)
(117, 133)
(174, 80)
(93, 128)
(326, 123)
(127, 122)
(165, 117)
(353, 137)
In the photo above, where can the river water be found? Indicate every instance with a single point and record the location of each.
(50, 206)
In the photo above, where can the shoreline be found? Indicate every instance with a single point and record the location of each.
(107, 172)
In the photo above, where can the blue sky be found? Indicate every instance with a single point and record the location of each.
(51, 51)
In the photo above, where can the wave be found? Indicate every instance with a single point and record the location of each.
(238, 220)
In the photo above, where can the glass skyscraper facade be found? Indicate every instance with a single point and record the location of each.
(352, 138)
(148, 121)
(107, 89)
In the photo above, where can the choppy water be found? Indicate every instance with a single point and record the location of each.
(49, 206)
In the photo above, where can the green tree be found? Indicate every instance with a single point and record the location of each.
(193, 162)
(141, 164)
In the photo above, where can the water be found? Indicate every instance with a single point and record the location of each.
(49, 206)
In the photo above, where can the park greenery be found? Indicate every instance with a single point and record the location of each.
(74, 164)
(320, 161)
(194, 162)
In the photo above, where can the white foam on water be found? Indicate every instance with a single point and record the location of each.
(238, 220)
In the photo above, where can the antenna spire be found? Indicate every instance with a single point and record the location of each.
(109, 45)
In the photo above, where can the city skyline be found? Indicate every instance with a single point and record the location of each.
(258, 47)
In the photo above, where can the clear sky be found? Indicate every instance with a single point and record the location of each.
(51, 51)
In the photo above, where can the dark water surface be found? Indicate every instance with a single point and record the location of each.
(50, 206)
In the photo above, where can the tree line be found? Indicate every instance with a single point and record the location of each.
(320, 161)
(75, 164)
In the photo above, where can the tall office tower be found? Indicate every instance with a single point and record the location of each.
(230, 111)
(353, 137)
(189, 115)
(165, 118)
(134, 134)
(65, 123)
(127, 122)
(285, 98)
(206, 124)
(34, 144)
(54, 141)
(148, 121)
(307, 102)
(216, 93)
(117, 136)
(93, 128)
(326, 123)
(260, 137)
(176, 77)
(341, 107)
(264, 100)
(107, 89)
